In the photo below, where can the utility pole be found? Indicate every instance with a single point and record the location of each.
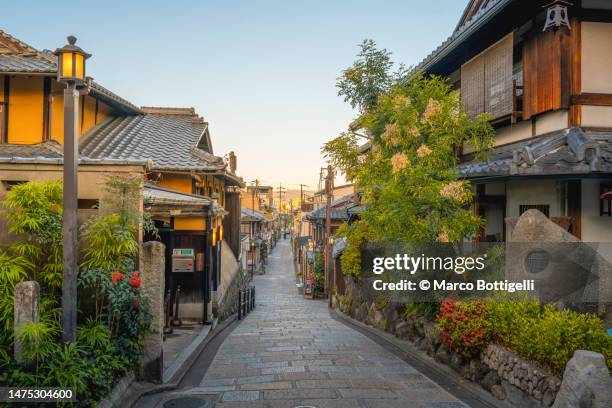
(280, 196)
(252, 226)
(302, 195)
(329, 189)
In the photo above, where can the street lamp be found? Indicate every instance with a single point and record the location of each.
(71, 72)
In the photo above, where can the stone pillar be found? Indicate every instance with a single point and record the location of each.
(153, 282)
(27, 298)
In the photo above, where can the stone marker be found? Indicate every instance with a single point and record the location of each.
(586, 382)
(27, 298)
(153, 273)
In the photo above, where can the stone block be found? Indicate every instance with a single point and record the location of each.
(153, 275)
(26, 309)
(586, 382)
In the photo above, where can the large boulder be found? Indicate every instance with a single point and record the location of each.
(586, 382)
(561, 266)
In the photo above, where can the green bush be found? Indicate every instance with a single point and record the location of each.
(509, 316)
(112, 304)
(552, 338)
(544, 335)
(318, 272)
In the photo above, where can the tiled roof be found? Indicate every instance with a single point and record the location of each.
(30, 63)
(45, 150)
(335, 213)
(18, 57)
(156, 195)
(252, 215)
(169, 141)
(491, 9)
(570, 151)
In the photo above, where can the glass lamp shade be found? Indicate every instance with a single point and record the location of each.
(220, 232)
(71, 62)
(214, 237)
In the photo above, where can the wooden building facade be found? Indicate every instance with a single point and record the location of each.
(549, 92)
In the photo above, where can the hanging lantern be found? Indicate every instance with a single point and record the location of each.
(71, 62)
(557, 15)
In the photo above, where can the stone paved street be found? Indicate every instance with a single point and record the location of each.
(289, 352)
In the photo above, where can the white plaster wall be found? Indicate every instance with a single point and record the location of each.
(597, 57)
(551, 121)
(597, 116)
(594, 227)
(513, 133)
(532, 192)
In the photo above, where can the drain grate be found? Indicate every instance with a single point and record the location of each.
(186, 402)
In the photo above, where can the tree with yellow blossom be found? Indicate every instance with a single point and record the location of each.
(408, 178)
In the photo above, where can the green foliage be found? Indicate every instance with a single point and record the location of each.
(110, 242)
(34, 213)
(111, 234)
(318, 272)
(554, 337)
(110, 342)
(408, 176)
(13, 269)
(546, 336)
(127, 314)
(37, 343)
(357, 234)
(369, 77)
(509, 316)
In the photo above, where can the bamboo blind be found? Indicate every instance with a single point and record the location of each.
(486, 80)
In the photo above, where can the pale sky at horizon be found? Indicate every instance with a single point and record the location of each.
(262, 72)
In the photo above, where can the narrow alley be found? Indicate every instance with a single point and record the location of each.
(290, 352)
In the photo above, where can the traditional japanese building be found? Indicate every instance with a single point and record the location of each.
(544, 73)
(192, 194)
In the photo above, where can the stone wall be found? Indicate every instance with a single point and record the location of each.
(515, 373)
(231, 281)
(499, 371)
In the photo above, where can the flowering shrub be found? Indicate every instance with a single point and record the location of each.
(464, 328)
(546, 336)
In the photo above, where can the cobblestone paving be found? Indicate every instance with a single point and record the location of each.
(289, 352)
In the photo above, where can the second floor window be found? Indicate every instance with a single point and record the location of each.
(486, 80)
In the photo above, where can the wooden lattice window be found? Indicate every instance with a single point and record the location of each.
(486, 80)
(543, 208)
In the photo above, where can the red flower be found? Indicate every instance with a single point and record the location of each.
(137, 302)
(117, 276)
(135, 281)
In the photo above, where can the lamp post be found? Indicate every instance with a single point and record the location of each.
(71, 72)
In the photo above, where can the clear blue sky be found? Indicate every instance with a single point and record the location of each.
(262, 72)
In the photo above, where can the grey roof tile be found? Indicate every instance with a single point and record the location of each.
(169, 141)
(45, 150)
(23, 63)
(550, 154)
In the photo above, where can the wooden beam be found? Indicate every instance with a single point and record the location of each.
(5, 110)
(47, 108)
(592, 99)
(575, 111)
